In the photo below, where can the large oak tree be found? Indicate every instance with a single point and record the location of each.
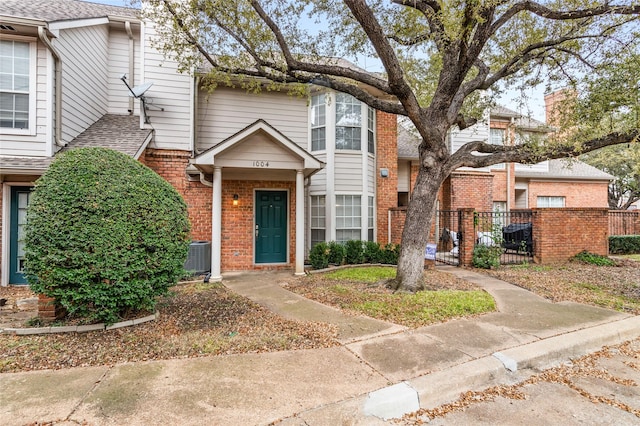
(442, 61)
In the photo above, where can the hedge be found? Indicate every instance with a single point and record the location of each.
(624, 244)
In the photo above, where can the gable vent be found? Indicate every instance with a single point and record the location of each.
(6, 27)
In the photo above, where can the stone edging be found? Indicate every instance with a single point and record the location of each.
(77, 328)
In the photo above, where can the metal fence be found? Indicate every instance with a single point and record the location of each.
(622, 222)
(511, 232)
(447, 229)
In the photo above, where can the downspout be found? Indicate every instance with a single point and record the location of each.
(42, 34)
(508, 167)
(194, 113)
(204, 181)
(127, 27)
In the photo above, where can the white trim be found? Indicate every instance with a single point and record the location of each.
(308, 160)
(33, 88)
(216, 225)
(77, 23)
(6, 225)
(364, 158)
(330, 195)
(300, 202)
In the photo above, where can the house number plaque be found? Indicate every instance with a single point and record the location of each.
(260, 164)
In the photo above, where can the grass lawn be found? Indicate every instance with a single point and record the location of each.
(363, 291)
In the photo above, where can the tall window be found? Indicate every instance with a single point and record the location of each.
(348, 122)
(370, 130)
(14, 84)
(371, 213)
(348, 218)
(496, 137)
(550, 201)
(318, 123)
(318, 214)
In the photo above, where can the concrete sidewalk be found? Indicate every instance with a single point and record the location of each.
(380, 371)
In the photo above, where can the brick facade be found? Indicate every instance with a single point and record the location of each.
(237, 221)
(386, 158)
(469, 190)
(577, 194)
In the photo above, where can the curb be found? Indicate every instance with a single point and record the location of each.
(77, 328)
(507, 367)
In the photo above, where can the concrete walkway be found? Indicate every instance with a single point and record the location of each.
(381, 370)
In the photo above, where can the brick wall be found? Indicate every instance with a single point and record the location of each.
(386, 158)
(577, 194)
(398, 216)
(470, 190)
(559, 234)
(171, 165)
(237, 221)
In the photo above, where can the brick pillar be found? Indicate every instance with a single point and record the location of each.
(48, 309)
(386, 158)
(467, 240)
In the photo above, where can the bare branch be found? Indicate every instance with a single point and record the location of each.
(527, 155)
(558, 15)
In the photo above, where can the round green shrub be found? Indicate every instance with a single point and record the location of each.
(336, 253)
(319, 255)
(354, 252)
(105, 235)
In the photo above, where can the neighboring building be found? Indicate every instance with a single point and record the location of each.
(264, 175)
(506, 187)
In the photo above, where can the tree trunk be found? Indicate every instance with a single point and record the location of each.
(417, 225)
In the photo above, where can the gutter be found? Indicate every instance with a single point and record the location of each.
(127, 27)
(42, 34)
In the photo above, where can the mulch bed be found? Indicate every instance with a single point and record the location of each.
(197, 320)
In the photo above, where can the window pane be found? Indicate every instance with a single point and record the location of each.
(497, 137)
(14, 82)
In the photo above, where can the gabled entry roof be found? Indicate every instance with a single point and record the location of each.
(258, 143)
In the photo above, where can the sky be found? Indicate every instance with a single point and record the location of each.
(534, 104)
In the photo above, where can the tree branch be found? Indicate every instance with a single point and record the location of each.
(525, 154)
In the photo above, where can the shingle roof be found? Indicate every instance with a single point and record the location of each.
(119, 132)
(521, 121)
(563, 169)
(17, 165)
(61, 10)
(407, 144)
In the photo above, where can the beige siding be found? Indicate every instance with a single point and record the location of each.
(371, 178)
(404, 176)
(477, 132)
(540, 167)
(226, 111)
(171, 91)
(118, 94)
(258, 148)
(348, 172)
(33, 145)
(84, 54)
(318, 184)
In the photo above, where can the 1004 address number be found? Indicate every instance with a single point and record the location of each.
(260, 164)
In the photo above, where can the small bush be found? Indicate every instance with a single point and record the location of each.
(337, 252)
(390, 253)
(355, 252)
(105, 235)
(319, 255)
(624, 244)
(372, 252)
(486, 257)
(593, 259)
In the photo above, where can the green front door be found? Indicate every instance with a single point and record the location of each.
(271, 226)
(18, 215)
